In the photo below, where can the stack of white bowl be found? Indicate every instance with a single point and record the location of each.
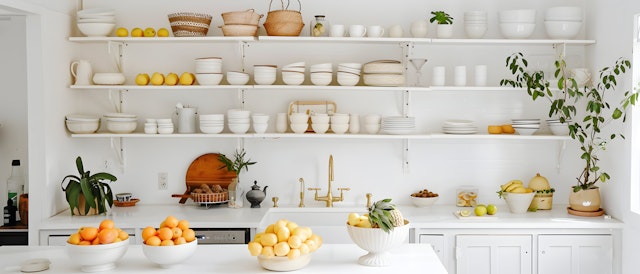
(475, 24)
(211, 123)
(372, 123)
(260, 122)
(264, 74)
(209, 70)
(97, 22)
(237, 78)
(399, 125)
(165, 125)
(525, 126)
(238, 120)
(557, 127)
(349, 74)
(293, 74)
(339, 123)
(121, 122)
(517, 24)
(82, 124)
(563, 22)
(299, 122)
(320, 122)
(321, 74)
(151, 126)
(385, 73)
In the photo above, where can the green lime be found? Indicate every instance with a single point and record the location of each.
(480, 210)
(492, 209)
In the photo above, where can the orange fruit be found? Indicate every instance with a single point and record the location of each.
(508, 129)
(84, 243)
(165, 233)
(494, 129)
(162, 224)
(107, 235)
(189, 235)
(106, 224)
(171, 221)
(122, 235)
(179, 241)
(88, 233)
(74, 239)
(183, 224)
(153, 240)
(167, 242)
(177, 232)
(148, 232)
(117, 240)
(95, 241)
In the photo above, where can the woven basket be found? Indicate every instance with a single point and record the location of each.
(247, 17)
(189, 24)
(210, 198)
(284, 22)
(283, 28)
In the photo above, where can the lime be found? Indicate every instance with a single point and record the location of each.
(492, 209)
(465, 213)
(480, 210)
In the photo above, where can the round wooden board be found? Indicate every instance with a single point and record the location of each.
(206, 169)
(600, 212)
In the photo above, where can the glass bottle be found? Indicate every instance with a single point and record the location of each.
(15, 183)
(319, 26)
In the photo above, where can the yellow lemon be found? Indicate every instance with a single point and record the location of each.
(293, 253)
(255, 248)
(187, 79)
(162, 32)
(157, 79)
(281, 249)
(122, 32)
(267, 251)
(142, 79)
(149, 32)
(171, 79)
(137, 32)
(269, 239)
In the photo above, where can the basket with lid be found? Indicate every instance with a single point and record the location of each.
(284, 22)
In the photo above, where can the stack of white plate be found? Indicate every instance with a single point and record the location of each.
(82, 124)
(121, 122)
(385, 73)
(238, 120)
(525, 126)
(557, 127)
(96, 22)
(459, 127)
(211, 123)
(398, 125)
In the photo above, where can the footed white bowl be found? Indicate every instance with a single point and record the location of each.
(283, 263)
(377, 242)
(168, 256)
(94, 258)
(519, 202)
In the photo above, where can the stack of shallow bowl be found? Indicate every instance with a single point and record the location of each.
(525, 126)
(293, 74)
(339, 123)
(82, 124)
(557, 127)
(517, 24)
(238, 120)
(209, 70)
(321, 74)
(121, 122)
(385, 73)
(320, 122)
(96, 22)
(265, 74)
(260, 122)
(398, 125)
(165, 126)
(349, 74)
(211, 123)
(299, 122)
(475, 24)
(240, 23)
(237, 78)
(563, 22)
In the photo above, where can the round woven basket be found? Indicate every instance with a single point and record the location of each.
(283, 28)
(284, 22)
(247, 17)
(189, 24)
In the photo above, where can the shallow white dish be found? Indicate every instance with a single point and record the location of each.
(108, 78)
(168, 256)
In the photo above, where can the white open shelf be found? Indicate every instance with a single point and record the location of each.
(294, 87)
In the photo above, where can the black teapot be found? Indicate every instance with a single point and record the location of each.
(255, 196)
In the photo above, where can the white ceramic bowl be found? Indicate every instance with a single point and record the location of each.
(211, 117)
(264, 79)
(260, 127)
(209, 79)
(298, 118)
(210, 60)
(339, 118)
(324, 67)
(239, 120)
(208, 68)
(239, 128)
(561, 29)
(96, 29)
(321, 78)
(108, 78)
(563, 12)
(377, 242)
(559, 129)
(475, 31)
(165, 129)
(238, 113)
(320, 128)
(525, 131)
(383, 80)
(292, 78)
(372, 128)
(211, 129)
(260, 118)
(275, 263)
(299, 127)
(423, 201)
(82, 127)
(372, 119)
(517, 30)
(237, 78)
(121, 127)
(168, 256)
(517, 16)
(339, 128)
(519, 202)
(347, 78)
(93, 258)
(320, 119)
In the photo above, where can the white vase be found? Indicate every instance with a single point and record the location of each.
(444, 31)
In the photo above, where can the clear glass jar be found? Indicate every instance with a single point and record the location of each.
(319, 26)
(467, 196)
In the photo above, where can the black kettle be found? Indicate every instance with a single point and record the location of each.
(255, 196)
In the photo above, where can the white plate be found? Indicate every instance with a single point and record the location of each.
(460, 131)
(399, 131)
(458, 122)
(82, 118)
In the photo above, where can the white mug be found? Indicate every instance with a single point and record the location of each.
(396, 31)
(82, 71)
(480, 75)
(460, 76)
(357, 31)
(438, 78)
(337, 31)
(375, 31)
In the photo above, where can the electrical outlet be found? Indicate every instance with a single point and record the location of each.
(163, 181)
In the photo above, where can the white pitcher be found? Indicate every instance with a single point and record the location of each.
(82, 72)
(186, 119)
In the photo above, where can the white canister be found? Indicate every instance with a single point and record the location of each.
(480, 75)
(186, 119)
(460, 76)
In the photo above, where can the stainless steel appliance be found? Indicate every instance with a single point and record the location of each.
(223, 235)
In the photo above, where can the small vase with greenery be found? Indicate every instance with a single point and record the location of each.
(445, 24)
(236, 166)
(88, 193)
(586, 110)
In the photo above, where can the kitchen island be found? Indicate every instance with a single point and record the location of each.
(229, 259)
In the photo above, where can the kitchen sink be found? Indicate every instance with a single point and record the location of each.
(329, 223)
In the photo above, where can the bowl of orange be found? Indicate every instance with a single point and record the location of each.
(97, 248)
(171, 244)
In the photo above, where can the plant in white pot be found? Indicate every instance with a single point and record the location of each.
(88, 194)
(445, 24)
(587, 111)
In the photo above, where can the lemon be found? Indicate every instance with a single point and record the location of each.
(162, 32)
(142, 79)
(492, 209)
(137, 32)
(187, 79)
(171, 79)
(149, 32)
(480, 210)
(122, 32)
(157, 79)
(465, 213)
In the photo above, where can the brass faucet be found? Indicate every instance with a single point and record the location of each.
(301, 192)
(329, 199)
(368, 195)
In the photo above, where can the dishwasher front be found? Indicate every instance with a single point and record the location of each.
(223, 235)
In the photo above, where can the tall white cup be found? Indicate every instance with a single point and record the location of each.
(480, 76)
(438, 77)
(375, 31)
(281, 122)
(357, 30)
(337, 30)
(460, 76)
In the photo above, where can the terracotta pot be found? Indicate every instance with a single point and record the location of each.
(585, 200)
(80, 209)
(23, 208)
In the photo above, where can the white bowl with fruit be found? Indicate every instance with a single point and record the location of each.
(171, 244)
(424, 198)
(97, 248)
(518, 196)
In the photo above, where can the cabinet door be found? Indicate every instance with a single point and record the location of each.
(493, 254)
(437, 242)
(575, 254)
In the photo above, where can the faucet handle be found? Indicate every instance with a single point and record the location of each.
(275, 201)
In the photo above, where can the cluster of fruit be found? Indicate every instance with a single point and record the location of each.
(382, 214)
(172, 79)
(481, 210)
(500, 129)
(467, 198)
(425, 193)
(105, 233)
(138, 32)
(513, 186)
(284, 238)
(171, 232)
(209, 194)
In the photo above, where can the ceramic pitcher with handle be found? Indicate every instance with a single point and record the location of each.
(82, 72)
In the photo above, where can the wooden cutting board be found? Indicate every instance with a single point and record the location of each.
(206, 169)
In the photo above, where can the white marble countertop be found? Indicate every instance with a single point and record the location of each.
(229, 259)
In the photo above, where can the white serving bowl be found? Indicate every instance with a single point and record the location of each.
(93, 258)
(239, 128)
(211, 117)
(299, 127)
(238, 113)
(320, 119)
(298, 118)
(423, 201)
(275, 263)
(347, 78)
(168, 256)
(378, 243)
(82, 127)
(525, 131)
(517, 30)
(339, 128)
(121, 127)
(475, 31)
(321, 78)
(320, 128)
(260, 118)
(559, 129)
(96, 29)
(209, 79)
(211, 129)
(519, 202)
(292, 78)
(108, 78)
(517, 16)
(262, 79)
(561, 29)
(260, 127)
(237, 78)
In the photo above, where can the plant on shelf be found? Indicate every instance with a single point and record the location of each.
(586, 111)
(444, 28)
(87, 193)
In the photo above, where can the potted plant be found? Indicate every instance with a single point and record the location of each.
(235, 166)
(586, 125)
(444, 24)
(88, 194)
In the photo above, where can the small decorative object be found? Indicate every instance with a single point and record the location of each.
(255, 196)
(445, 24)
(88, 194)
(544, 193)
(586, 126)
(319, 26)
(236, 166)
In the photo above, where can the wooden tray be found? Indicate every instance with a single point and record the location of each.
(206, 169)
(132, 202)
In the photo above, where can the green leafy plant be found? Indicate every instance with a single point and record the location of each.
(384, 215)
(238, 164)
(93, 189)
(441, 18)
(565, 96)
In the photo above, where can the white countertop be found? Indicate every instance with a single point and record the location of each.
(229, 259)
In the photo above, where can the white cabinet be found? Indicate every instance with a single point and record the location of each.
(493, 254)
(437, 241)
(575, 254)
